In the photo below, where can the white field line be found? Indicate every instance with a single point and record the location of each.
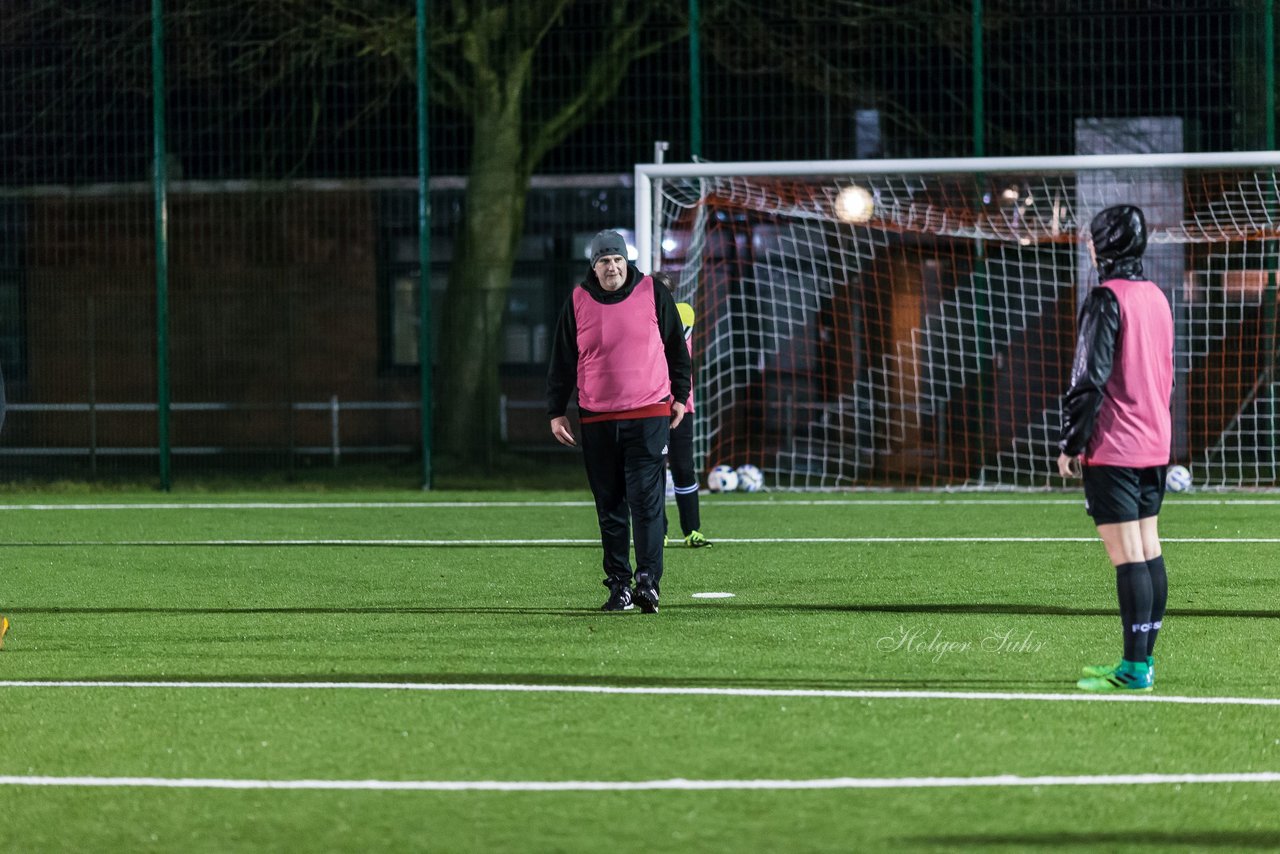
(596, 541)
(677, 784)
(665, 691)
(720, 502)
(301, 505)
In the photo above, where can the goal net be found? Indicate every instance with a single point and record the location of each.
(912, 323)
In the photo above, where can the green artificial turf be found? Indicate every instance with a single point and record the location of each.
(954, 594)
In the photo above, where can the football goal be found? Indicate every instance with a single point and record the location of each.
(892, 323)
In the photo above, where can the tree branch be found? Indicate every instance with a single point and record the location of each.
(608, 66)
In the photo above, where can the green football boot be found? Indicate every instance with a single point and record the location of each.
(1127, 677)
(695, 540)
(1108, 669)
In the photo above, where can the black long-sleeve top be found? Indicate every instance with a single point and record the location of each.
(1090, 369)
(562, 368)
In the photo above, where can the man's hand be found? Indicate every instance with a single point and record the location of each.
(677, 414)
(560, 429)
(1068, 466)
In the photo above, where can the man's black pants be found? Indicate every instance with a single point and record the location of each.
(626, 471)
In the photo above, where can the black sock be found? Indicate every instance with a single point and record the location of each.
(1159, 596)
(1133, 589)
(687, 504)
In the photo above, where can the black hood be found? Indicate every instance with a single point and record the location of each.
(1119, 238)
(592, 286)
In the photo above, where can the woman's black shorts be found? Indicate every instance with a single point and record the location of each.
(1122, 494)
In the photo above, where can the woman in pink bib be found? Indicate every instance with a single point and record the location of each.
(1116, 430)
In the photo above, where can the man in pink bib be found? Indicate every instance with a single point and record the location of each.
(619, 344)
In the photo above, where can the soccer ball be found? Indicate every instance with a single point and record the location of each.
(722, 479)
(1177, 479)
(750, 478)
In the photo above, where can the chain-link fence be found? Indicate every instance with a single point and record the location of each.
(258, 283)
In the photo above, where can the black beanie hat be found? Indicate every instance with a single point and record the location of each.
(607, 243)
(1119, 235)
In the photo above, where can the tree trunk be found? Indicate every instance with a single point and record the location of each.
(466, 403)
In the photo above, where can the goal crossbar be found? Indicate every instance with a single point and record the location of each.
(647, 173)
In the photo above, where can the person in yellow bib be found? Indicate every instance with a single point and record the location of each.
(680, 448)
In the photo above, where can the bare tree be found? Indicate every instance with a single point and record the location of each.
(270, 60)
(273, 61)
(484, 58)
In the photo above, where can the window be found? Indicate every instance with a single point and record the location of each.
(527, 317)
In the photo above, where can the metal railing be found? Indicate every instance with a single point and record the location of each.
(334, 449)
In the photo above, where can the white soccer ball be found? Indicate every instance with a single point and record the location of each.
(1177, 479)
(750, 478)
(722, 479)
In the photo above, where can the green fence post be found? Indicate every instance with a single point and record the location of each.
(161, 184)
(1269, 71)
(979, 93)
(695, 81)
(424, 245)
(1270, 260)
(982, 315)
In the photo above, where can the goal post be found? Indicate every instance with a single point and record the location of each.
(910, 323)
